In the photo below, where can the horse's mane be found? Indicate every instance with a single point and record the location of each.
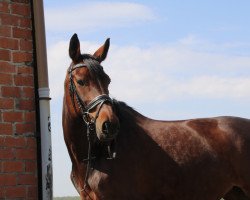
(125, 112)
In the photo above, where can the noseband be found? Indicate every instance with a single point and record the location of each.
(89, 122)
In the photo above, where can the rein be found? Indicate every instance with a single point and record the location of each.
(89, 122)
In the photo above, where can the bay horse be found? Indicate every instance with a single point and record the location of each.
(119, 154)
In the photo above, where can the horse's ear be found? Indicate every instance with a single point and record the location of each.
(74, 49)
(102, 52)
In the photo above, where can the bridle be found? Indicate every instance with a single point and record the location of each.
(90, 122)
(85, 109)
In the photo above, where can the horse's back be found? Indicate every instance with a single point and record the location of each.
(217, 136)
(213, 150)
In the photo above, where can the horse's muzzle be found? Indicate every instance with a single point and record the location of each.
(109, 131)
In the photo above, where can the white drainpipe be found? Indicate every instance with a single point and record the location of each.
(44, 100)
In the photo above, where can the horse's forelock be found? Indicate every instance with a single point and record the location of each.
(96, 70)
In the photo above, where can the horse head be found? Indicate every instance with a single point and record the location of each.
(88, 88)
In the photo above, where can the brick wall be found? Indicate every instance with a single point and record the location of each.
(18, 152)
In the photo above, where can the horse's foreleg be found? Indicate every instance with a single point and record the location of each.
(74, 181)
(236, 194)
(88, 195)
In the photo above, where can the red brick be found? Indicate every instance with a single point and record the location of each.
(6, 103)
(20, 9)
(13, 116)
(25, 23)
(30, 116)
(7, 179)
(15, 142)
(27, 154)
(6, 79)
(8, 91)
(25, 70)
(9, 43)
(4, 7)
(2, 141)
(21, 1)
(26, 45)
(6, 129)
(31, 142)
(22, 33)
(24, 80)
(4, 55)
(16, 192)
(25, 128)
(30, 166)
(6, 67)
(2, 195)
(19, 57)
(26, 105)
(5, 31)
(32, 192)
(8, 19)
(6, 153)
(13, 166)
(28, 92)
(14, 20)
(27, 179)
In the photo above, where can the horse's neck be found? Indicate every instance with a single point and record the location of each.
(75, 131)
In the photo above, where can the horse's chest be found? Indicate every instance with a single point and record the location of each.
(109, 186)
(97, 180)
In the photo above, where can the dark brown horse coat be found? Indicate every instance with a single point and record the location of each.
(157, 160)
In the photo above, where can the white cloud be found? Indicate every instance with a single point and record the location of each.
(214, 87)
(84, 17)
(161, 73)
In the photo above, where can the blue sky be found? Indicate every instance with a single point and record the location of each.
(168, 59)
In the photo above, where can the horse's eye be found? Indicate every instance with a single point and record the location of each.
(81, 82)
